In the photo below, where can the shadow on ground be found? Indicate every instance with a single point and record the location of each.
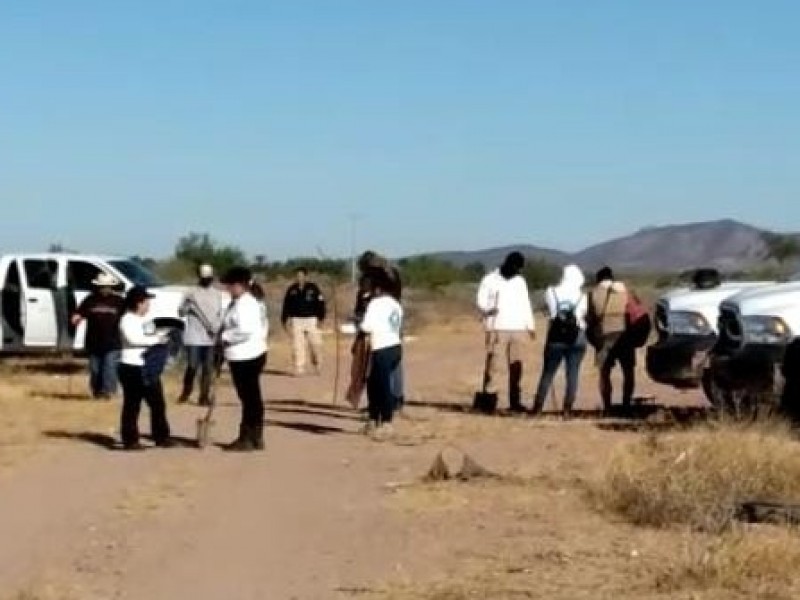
(312, 428)
(87, 437)
(65, 396)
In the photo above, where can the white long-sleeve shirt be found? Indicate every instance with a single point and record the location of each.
(511, 300)
(244, 329)
(135, 341)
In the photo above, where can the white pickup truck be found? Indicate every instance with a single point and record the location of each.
(686, 323)
(39, 292)
(755, 327)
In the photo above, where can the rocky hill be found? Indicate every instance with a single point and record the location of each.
(726, 244)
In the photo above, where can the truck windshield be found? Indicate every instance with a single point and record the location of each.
(137, 273)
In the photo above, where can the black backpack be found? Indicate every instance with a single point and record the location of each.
(564, 327)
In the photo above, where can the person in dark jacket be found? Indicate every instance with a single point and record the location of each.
(303, 312)
(102, 311)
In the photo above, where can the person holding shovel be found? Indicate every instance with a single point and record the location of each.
(243, 336)
(202, 308)
(505, 306)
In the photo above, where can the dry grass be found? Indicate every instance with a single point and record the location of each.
(760, 563)
(33, 404)
(698, 478)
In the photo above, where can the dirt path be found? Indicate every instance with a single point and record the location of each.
(308, 519)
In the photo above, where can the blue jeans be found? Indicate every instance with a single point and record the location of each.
(198, 358)
(554, 355)
(382, 401)
(103, 373)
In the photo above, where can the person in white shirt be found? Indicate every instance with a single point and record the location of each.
(505, 305)
(244, 335)
(567, 306)
(140, 372)
(382, 324)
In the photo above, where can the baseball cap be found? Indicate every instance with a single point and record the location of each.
(137, 294)
(205, 271)
(241, 275)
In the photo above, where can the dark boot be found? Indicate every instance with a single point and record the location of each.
(244, 443)
(257, 437)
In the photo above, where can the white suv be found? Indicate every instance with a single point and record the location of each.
(39, 292)
(755, 328)
(686, 322)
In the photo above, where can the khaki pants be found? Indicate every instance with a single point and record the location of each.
(505, 347)
(305, 333)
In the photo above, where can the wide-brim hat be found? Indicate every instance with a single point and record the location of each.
(105, 280)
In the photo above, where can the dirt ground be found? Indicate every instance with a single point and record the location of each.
(325, 512)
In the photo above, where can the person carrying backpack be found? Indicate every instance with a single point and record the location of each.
(567, 307)
(618, 324)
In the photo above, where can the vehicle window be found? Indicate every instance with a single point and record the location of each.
(12, 277)
(137, 273)
(80, 275)
(41, 274)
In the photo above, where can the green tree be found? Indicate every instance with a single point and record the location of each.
(201, 248)
(539, 273)
(431, 273)
(475, 270)
(780, 247)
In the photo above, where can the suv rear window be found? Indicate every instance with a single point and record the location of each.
(41, 274)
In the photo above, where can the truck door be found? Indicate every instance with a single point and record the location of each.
(11, 317)
(80, 275)
(39, 311)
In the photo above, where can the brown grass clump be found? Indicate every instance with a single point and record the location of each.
(759, 563)
(698, 478)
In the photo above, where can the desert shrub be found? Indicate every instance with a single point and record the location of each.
(427, 272)
(754, 564)
(699, 478)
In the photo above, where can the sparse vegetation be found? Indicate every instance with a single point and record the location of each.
(755, 564)
(699, 478)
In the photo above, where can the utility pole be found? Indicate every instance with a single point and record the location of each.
(353, 259)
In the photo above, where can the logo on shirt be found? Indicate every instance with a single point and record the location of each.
(395, 321)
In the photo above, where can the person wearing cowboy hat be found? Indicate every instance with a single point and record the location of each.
(102, 310)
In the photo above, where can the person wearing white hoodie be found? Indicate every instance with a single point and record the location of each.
(607, 322)
(567, 307)
(505, 305)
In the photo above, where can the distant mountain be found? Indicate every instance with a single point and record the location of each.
(494, 256)
(727, 245)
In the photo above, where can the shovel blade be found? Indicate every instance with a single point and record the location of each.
(203, 433)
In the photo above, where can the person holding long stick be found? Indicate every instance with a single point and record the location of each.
(370, 261)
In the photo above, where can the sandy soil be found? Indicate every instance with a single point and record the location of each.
(324, 513)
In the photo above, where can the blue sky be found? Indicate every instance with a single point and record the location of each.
(443, 124)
